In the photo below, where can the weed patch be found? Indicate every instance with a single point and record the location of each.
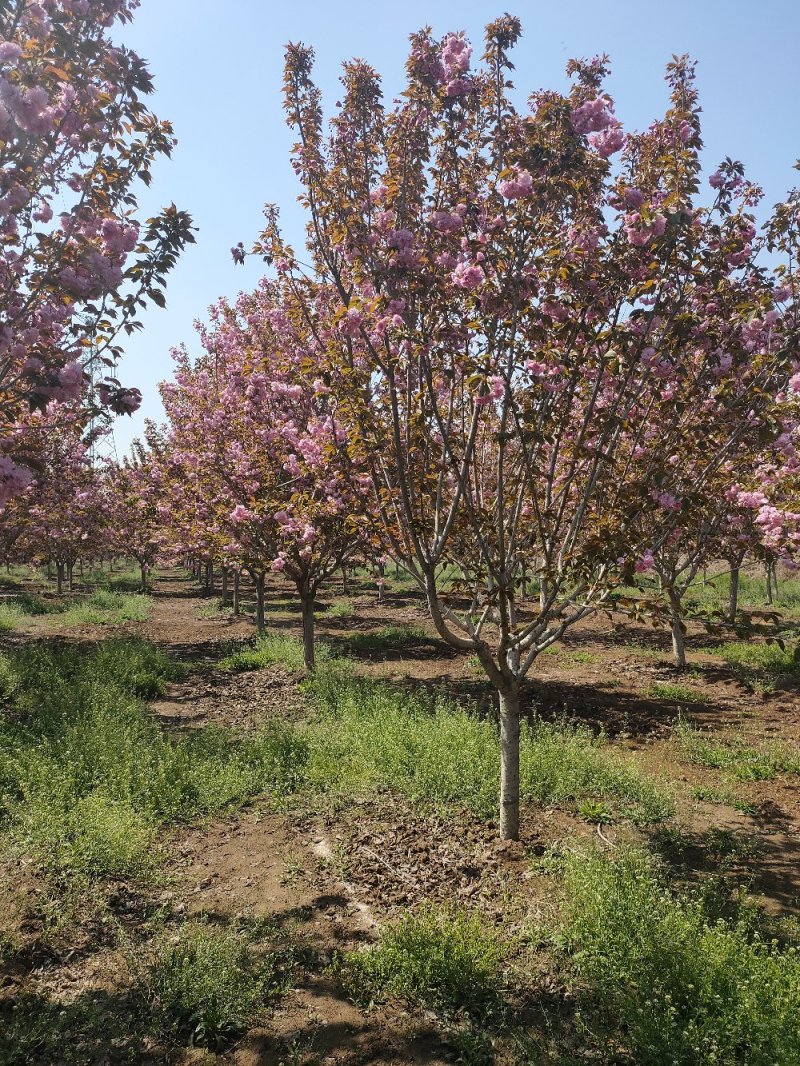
(270, 650)
(205, 986)
(389, 638)
(743, 761)
(105, 607)
(341, 609)
(446, 959)
(675, 982)
(369, 736)
(86, 775)
(760, 664)
(664, 690)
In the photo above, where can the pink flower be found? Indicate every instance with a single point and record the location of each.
(350, 324)
(666, 500)
(521, 184)
(645, 563)
(594, 116)
(240, 513)
(468, 276)
(608, 141)
(456, 54)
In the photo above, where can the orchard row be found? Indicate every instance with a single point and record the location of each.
(521, 347)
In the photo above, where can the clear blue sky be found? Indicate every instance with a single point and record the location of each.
(217, 67)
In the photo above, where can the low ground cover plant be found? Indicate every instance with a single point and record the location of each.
(88, 777)
(369, 735)
(205, 985)
(742, 760)
(447, 959)
(271, 649)
(668, 979)
(761, 664)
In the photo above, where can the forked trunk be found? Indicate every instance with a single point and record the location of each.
(260, 603)
(307, 609)
(733, 595)
(509, 764)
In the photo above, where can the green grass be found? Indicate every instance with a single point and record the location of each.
(88, 778)
(10, 616)
(205, 986)
(272, 649)
(743, 761)
(15, 609)
(443, 959)
(105, 607)
(667, 979)
(677, 693)
(341, 609)
(724, 796)
(388, 638)
(752, 592)
(368, 735)
(763, 664)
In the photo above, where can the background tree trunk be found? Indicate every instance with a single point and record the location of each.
(509, 764)
(143, 574)
(236, 604)
(307, 610)
(59, 578)
(678, 636)
(260, 602)
(768, 575)
(224, 586)
(733, 594)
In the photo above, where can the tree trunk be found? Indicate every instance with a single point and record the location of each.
(49, 570)
(733, 595)
(775, 577)
(678, 637)
(509, 764)
(70, 568)
(224, 586)
(236, 577)
(59, 578)
(80, 565)
(210, 575)
(307, 609)
(345, 582)
(768, 574)
(260, 602)
(143, 573)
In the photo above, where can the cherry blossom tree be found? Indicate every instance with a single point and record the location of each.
(76, 265)
(544, 357)
(262, 440)
(64, 506)
(134, 492)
